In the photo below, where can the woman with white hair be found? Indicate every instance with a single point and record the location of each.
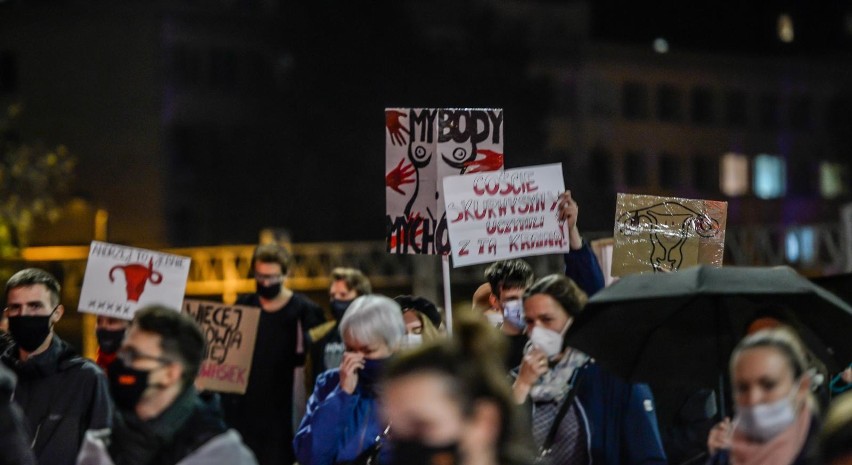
(342, 422)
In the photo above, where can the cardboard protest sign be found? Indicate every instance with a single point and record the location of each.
(667, 233)
(422, 146)
(505, 214)
(121, 279)
(231, 331)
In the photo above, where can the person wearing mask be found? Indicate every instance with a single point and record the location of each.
(109, 332)
(449, 402)
(159, 417)
(61, 393)
(581, 413)
(422, 320)
(264, 415)
(775, 420)
(342, 421)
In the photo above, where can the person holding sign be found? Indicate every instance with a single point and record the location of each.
(160, 418)
(61, 393)
(264, 415)
(342, 422)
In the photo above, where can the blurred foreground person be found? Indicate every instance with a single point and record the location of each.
(581, 413)
(109, 332)
(342, 420)
(775, 421)
(13, 439)
(835, 444)
(159, 417)
(61, 393)
(422, 320)
(450, 403)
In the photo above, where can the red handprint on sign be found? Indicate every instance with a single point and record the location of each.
(395, 127)
(493, 161)
(399, 176)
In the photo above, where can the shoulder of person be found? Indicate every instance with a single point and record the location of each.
(226, 449)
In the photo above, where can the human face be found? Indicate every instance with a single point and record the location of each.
(413, 325)
(268, 273)
(544, 311)
(763, 375)
(111, 324)
(370, 350)
(340, 291)
(509, 293)
(34, 300)
(144, 352)
(419, 407)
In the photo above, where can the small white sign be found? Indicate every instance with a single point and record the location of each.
(506, 214)
(120, 279)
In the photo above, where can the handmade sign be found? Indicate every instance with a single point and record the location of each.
(506, 214)
(422, 146)
(230, 331)
(655, 234)
(121, 279)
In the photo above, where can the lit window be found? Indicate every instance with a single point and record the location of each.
(734, 179)
(831, 180)
(770, 176)
(800, 245)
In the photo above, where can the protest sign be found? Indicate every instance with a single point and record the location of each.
(230, 331)
(422, 146)
(655, 234)
(121, 279)
(505, 214)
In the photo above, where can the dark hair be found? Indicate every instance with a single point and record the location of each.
(567, 294)
(422, 305)
(472, 364)
(353, 278)
(509, 274)
(33, 276)
(180, 337)
(271, 253)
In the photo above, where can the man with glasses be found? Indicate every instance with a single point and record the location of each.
(265, 414)
(61, 394)
(160, 418)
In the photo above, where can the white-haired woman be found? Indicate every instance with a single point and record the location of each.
(342, 420)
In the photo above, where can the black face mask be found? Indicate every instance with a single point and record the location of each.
(268, 292)
(126, 384)
(109, 340)
(338, 308)
(30, 332)
(417, 453)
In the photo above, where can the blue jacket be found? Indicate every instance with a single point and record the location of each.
(337, 426)
(582, 267)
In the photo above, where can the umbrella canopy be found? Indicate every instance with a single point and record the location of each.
(680, 328)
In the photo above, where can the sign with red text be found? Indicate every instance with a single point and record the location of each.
(422, 145)
(505, 214)
(230, 331)
(120, 279)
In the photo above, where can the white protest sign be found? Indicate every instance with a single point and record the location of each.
(120, 279)
(507, 214)
(230, 331)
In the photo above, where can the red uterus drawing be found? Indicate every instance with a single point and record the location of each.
(137, 275)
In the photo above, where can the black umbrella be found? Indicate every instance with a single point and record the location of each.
(680, 328)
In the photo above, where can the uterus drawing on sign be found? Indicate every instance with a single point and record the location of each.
(136, 276)
(669, 226)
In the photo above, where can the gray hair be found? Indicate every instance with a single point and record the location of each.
(373, 318)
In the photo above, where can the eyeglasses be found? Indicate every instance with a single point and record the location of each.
(269, 278)
(128, 355)
(29, 308)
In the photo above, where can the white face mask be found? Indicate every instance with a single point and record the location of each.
(547, 340)
(513, 312)
(410, 341)
(765, 421)
(494, 319)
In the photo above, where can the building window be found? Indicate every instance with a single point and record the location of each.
(635, 165)
(804, 177)
(635, 104)
(705, 174)
(801, 245)
(601, 163)
(769, 111)
(8, 71)
(669, 103)
(670, 175)
(736, 108)
(800, 112)
(734, 179)
(604, 102)
(832, 180)
(770, 176)
(701, 104)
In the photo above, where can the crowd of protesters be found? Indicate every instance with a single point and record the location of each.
(381, 380)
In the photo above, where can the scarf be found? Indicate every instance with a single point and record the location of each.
(553, 385)
(780, 450)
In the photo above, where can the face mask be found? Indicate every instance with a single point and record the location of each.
(109, 340)
(494, 319)
(338, 307)
(548, 340)
(410, 341)
(268, 292)
(371, 373)
(513, 312)
(765, 421)
(127, 384)
(30, 332)
(417, 453)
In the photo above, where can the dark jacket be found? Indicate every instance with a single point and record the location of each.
(62, 395)
(13, 438)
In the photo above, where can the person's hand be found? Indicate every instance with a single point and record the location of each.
(533, 366)
(720, 436)
(352, 362)
(493, 161)
(395, 127)
(568, 210)
(847, 375)
(399, 176)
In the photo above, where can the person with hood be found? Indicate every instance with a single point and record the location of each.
(61, 393)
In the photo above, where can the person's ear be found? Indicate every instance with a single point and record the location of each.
(492, 300)
(57, 314)
(173, 373)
